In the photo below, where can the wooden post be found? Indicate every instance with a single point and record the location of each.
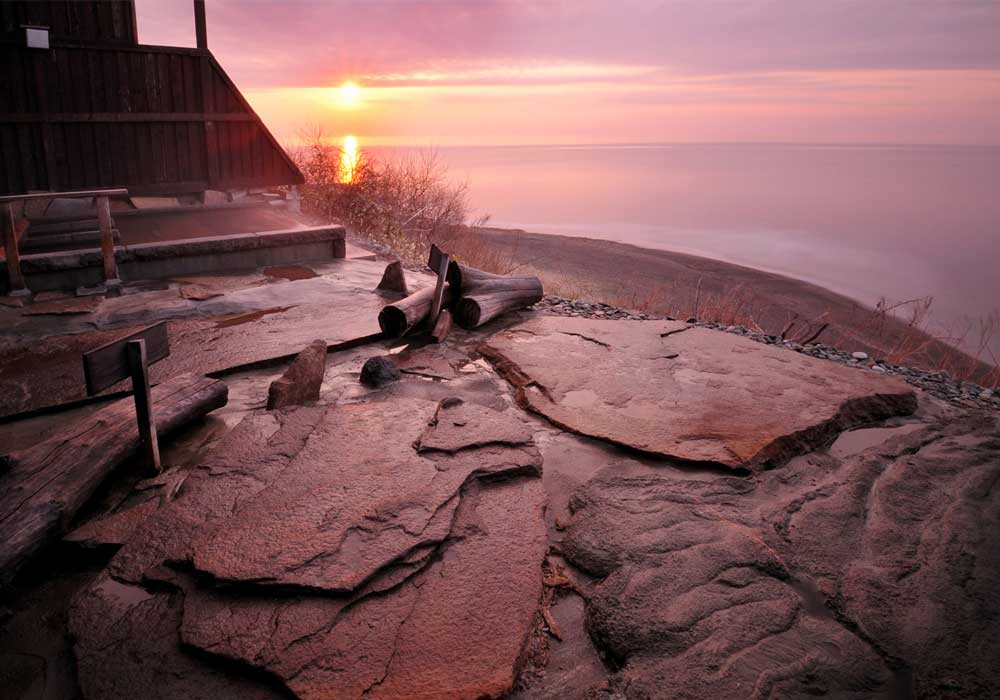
(107, 242)
(136, 350)
(14, 276)
(200, 27)
(442, 278)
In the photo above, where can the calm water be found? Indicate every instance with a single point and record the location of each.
(899, 222)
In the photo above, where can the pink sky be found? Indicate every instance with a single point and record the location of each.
(518, 72)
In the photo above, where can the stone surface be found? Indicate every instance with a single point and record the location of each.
(127, 647)
(875, 575)
(73, 305)
(355, 499)
(458, 425)
(454, 629)
(301, 382)
(688, 393)
(379, 371)
(399, 574)
(197, 292)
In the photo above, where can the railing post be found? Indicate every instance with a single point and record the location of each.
(111, 278)
(14, 276)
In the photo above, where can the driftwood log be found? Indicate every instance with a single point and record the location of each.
(484, 296)
(398, 318)
(442, 327)
(46, 485)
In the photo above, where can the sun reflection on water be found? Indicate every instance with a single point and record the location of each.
(349, 157)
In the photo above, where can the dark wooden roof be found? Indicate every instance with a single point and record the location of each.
(99, 110)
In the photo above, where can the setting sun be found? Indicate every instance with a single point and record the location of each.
(349, 94)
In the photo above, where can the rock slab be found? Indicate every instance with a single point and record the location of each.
(876, 575)
(688, 393)
(351, 564)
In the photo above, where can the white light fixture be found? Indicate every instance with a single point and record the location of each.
(37, 37)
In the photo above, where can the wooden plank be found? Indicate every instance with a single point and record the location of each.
(442, 278)
(72, 194)
(109, 364)
(145, 422)
(14, 276)
(54, 117)
(47, 484)
(107, 241)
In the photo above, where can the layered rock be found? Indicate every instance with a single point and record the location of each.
(689, 393)
(857, 578)
(356, 565)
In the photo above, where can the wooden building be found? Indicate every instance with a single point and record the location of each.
(84, 105)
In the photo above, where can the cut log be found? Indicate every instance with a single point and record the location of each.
(442, 327)
(398, 318)
(393, 279)
(486, 296)
(47, 484)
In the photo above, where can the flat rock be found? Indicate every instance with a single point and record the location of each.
(356, 498)
(712, 586)
(127, 646)
(198, 292)
(302, 380)
(73, 305)
(401, 575)
(458, 425)
(455, 629)
(685, 392)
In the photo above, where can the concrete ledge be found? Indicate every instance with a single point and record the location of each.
(246, 251)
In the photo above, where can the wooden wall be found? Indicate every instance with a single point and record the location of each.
(107, 21)
(157, 120)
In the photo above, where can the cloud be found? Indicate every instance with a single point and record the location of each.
(308, 42)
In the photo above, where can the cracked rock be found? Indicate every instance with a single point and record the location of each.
(674, 390)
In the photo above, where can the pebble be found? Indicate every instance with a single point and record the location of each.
(937, 383)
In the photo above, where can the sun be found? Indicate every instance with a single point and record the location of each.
(349, 94)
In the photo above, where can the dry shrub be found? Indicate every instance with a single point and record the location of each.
(406, 202)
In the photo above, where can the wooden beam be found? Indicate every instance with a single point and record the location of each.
(440, 260)
(75, 194)
(14, 276)
(145, 423)
(119, 117)
(107, 242)
(108, 364)
(46, 485)
(200, 26)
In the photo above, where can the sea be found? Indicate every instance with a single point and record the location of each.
(868, 221)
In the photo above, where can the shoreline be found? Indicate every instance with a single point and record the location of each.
(683, 285)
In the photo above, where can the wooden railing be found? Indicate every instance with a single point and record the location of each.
(11, 235)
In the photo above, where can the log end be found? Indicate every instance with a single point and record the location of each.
(468, 313)
(392, 321)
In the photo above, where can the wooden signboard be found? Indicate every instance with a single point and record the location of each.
(130, 357)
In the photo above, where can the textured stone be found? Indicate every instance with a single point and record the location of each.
(875, 575)
(198, 292)
(127, 647)
(456, 628)
(428, 569)
(302, 380)
(459, 425)
(689, 393)
(356, 498)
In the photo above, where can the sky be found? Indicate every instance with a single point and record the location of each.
(580, 72)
